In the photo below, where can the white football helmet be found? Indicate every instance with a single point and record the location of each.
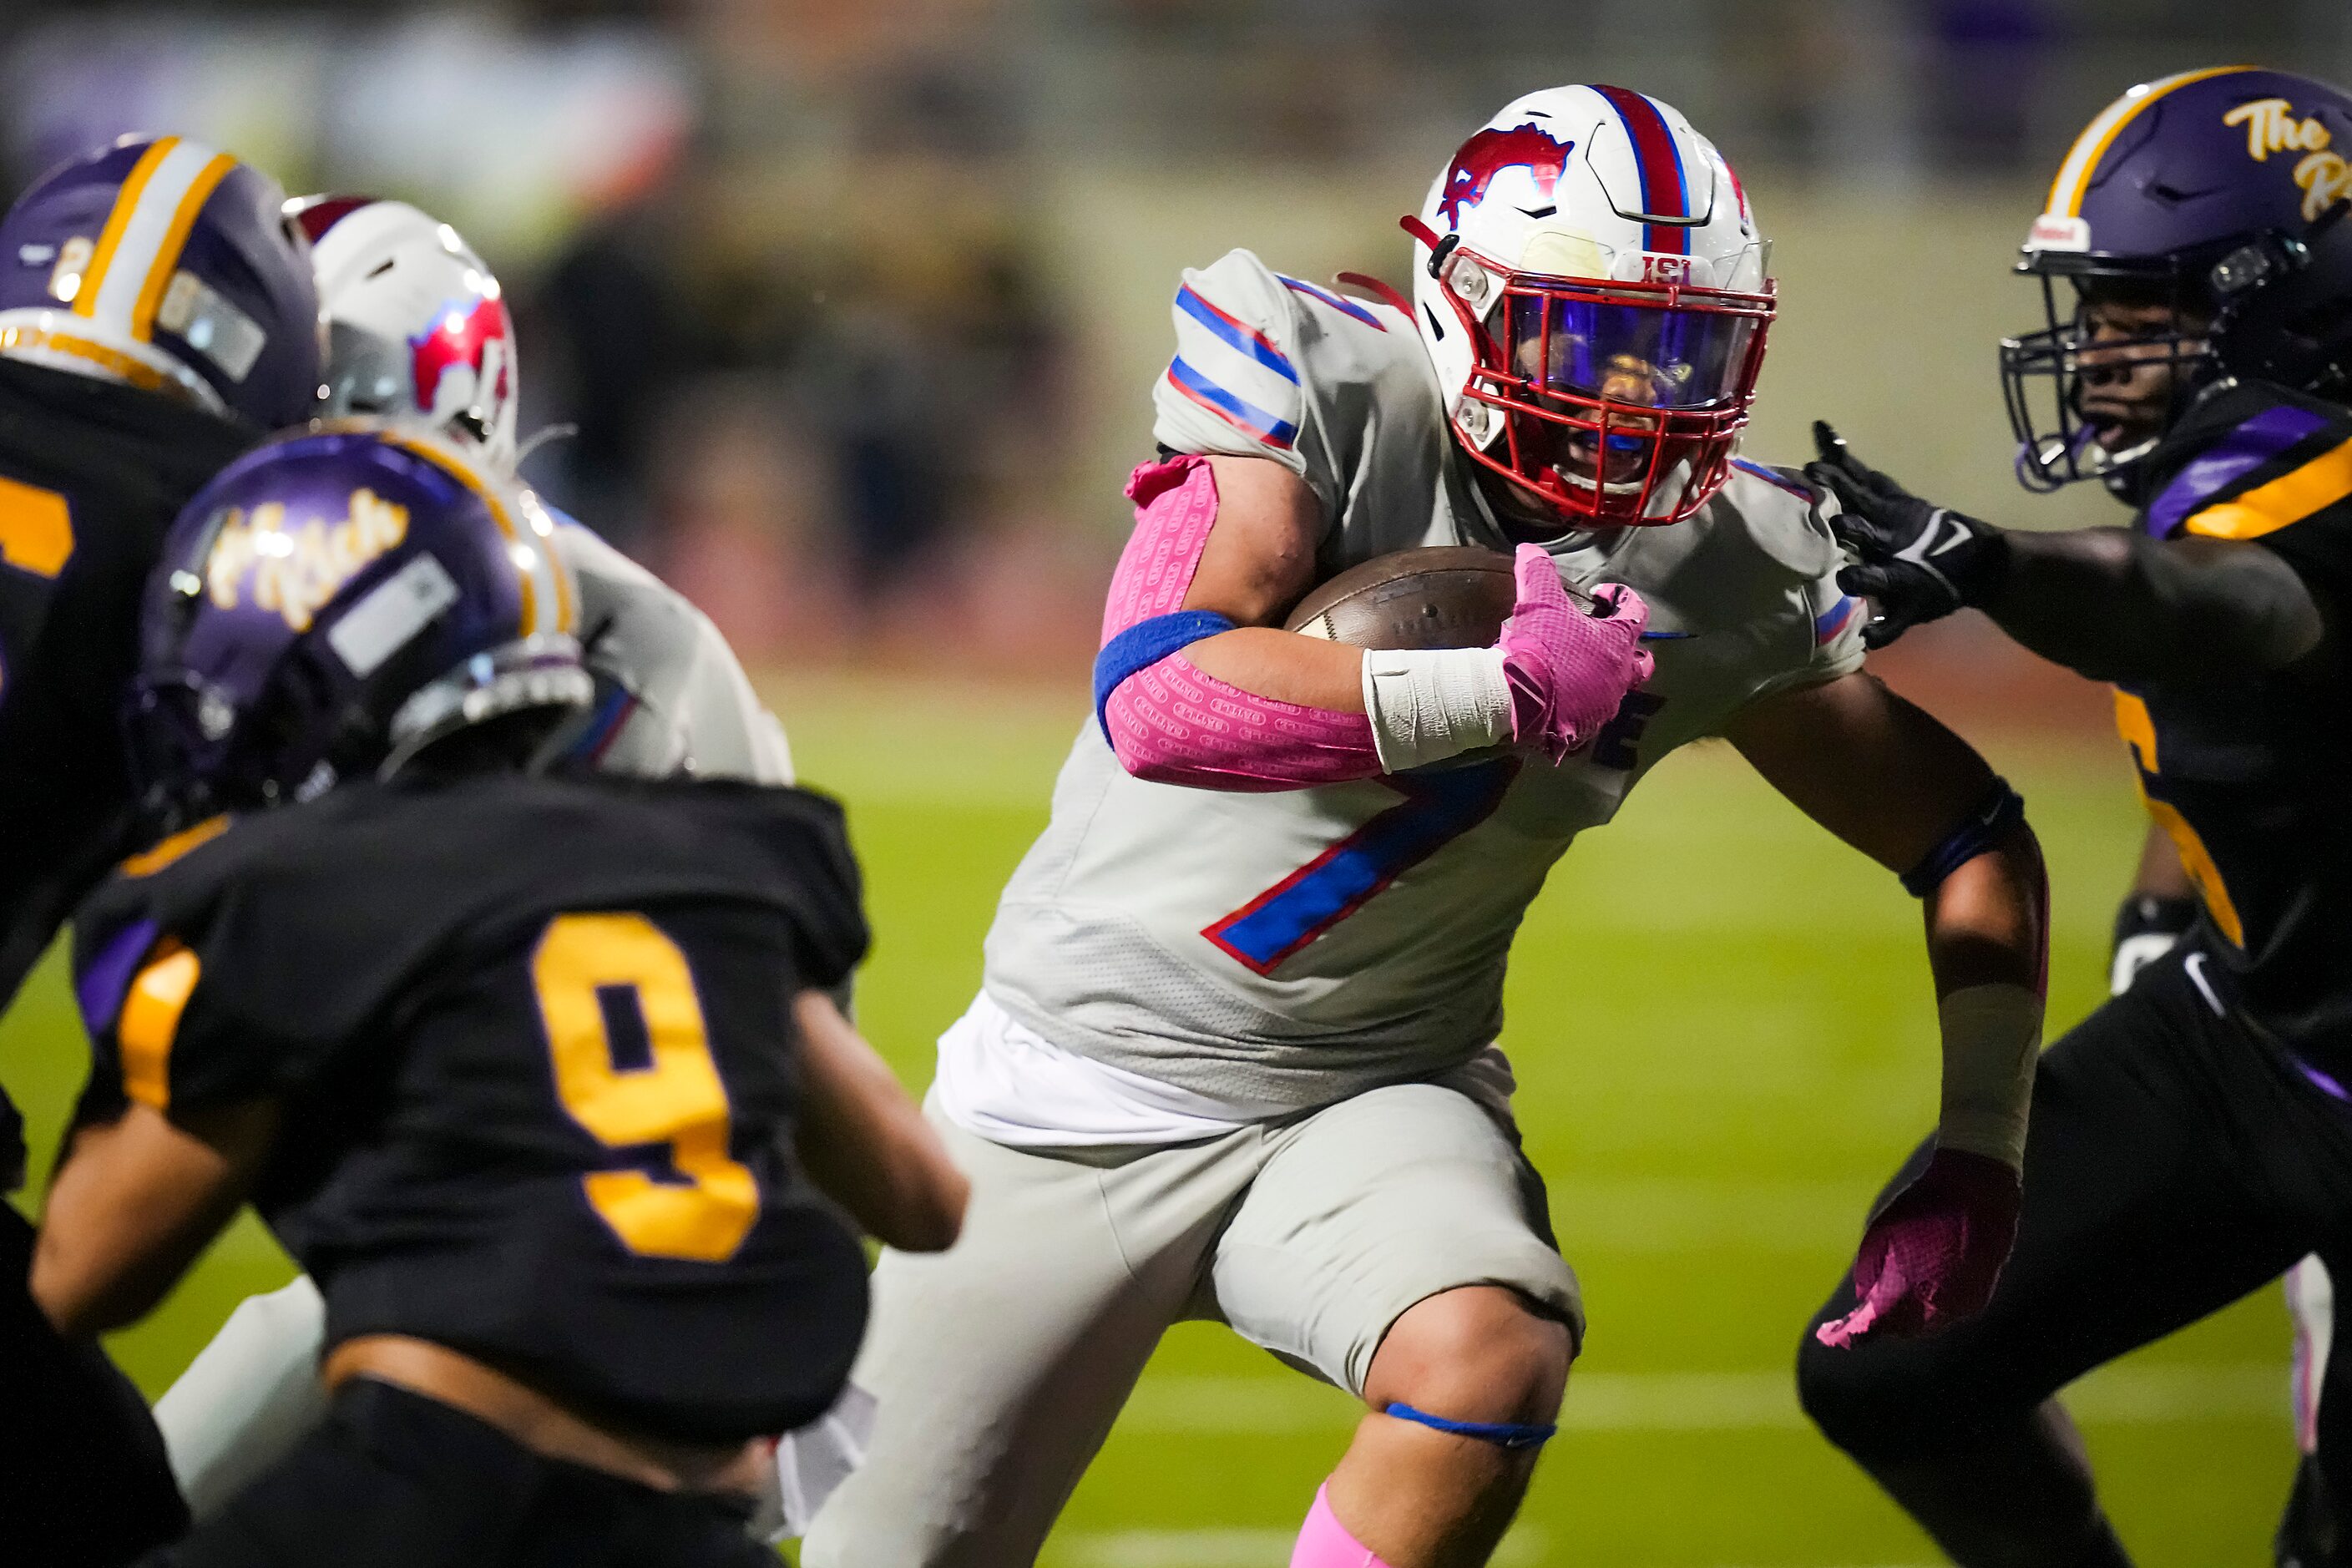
(416, 325)
(1595, 296)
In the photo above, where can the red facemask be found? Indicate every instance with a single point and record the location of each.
(1621, 403)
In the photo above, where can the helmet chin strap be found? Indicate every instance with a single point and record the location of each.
(1526, 521)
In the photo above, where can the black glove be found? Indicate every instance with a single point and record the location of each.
(1919, 561)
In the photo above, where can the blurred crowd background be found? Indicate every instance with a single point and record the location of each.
(854, 305)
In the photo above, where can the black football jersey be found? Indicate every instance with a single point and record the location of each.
(2251, 777)
(92, 475)
(534, 1045)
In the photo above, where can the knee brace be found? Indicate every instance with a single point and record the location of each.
(1501, 1434)
(1978, 833)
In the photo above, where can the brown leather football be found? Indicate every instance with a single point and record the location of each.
(1442, 595)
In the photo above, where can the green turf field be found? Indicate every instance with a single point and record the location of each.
(1720, 1021)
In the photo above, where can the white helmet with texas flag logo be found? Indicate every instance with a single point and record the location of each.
(1595, 296)
(416, 324)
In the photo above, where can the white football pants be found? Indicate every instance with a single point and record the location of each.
(254, 1393)
(2311, 1299)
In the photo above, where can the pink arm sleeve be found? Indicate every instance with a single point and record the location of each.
(1170, 723)
(1175, 507)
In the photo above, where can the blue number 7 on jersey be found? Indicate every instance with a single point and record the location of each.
(1439, 806)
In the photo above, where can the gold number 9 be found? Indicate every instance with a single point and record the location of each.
(678, 1100)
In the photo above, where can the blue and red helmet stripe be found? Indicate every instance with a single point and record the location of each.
(1664, 189)
(316, 214)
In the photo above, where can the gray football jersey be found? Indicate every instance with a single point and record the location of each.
(1297, 947)
(683, 703)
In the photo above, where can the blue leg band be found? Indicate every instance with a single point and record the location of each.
(1502, 1434)
(2001, 809)
(1145, 643)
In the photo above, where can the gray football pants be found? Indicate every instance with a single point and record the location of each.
(1000, 1365)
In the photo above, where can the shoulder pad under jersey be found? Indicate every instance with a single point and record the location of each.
(1232, 384)
(1782, 514)
(2251, 458)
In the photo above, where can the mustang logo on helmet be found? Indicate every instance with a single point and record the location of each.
(1489, 153)
(1596, 323)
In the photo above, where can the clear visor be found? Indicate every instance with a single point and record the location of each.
(1655, 356)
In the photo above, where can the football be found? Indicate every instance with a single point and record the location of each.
(1444, 595)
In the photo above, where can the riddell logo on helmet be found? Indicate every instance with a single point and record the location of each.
(473, 341)
(1488, 153)
(2272, 126)
(2056, 231)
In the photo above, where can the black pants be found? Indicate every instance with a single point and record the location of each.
(396, 1481)
(2178, 1160)
(83, 1480)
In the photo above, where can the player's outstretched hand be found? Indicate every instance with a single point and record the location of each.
(1934, 1253)
(1919, 561)
(1568, 670)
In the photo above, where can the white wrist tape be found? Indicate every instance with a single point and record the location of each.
(1429, 704)
(1992, 1036)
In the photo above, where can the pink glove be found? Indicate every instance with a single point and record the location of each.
(1934, 1253)
(1568, 670)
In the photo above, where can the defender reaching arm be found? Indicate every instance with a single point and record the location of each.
(1894, 784)
(2111, 603)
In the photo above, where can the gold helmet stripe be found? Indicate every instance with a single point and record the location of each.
(139, 247)
(110, 239)
(176, 239)
(2066, 191)
(531, 551)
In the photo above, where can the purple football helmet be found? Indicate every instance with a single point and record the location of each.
(172, 267)
(332, 604)
(2220, 192)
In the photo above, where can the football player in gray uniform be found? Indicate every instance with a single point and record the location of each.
(1234, 1055)
(418, 329)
